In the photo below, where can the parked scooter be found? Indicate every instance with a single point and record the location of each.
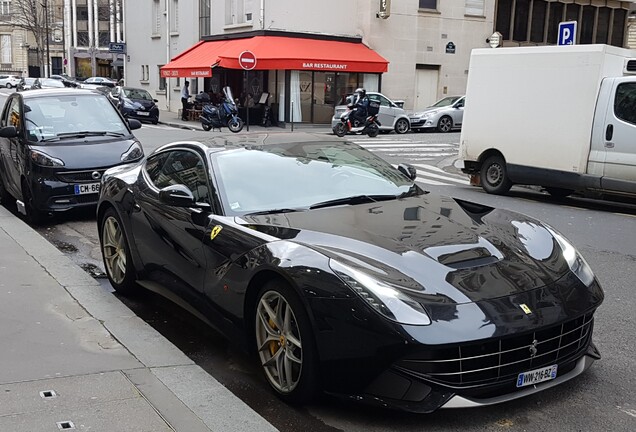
(370, 126)
(226, 114)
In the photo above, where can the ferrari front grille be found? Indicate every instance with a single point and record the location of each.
(502, 359)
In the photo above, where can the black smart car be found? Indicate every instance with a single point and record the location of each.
(55, 144)
(135, 103)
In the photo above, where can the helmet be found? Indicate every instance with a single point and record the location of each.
(360, 91)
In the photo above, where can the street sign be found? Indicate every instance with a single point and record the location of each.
(117, 47)
(247, 60)
(567, 33)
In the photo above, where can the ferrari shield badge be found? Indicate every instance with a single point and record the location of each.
(525, 308)
(215, 231)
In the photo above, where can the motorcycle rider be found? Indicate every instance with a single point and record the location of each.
(359, 106)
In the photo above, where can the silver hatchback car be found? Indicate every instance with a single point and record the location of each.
(391, 116)
(444, 115)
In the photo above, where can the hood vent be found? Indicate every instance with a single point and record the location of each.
(475, 257)
(630, 67)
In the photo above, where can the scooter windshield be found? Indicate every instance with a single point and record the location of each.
(227, 91)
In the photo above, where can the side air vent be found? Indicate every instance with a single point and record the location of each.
(630, 67)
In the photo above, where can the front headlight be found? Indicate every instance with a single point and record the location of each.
(133, 153)
(42, 159)
(385, 299)
(429, 114)
(575, 261)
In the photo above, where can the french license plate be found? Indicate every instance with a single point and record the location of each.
(536, 376)
(143, 113)
(87, 188)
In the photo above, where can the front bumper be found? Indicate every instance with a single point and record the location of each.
(152, 115)
(56, 192)
(420, 123)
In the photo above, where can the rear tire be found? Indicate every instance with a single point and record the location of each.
(494, 176)
(402, 126)
(9, 85)
(285, 342)
(340, 129)
(373, 130)
(206, 127)
(116, 254)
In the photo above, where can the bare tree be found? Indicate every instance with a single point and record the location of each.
(31, 16)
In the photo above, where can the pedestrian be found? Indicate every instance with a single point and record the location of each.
(185, 95)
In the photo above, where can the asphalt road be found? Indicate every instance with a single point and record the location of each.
(603, 399)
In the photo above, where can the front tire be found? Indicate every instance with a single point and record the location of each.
(284, 342)
(33, 216)
(206, 127)
(116, 253)
(494, 176)
(445, 124)
(402, 126)
(9, 86)
(340, 129)
(235, 125)
(373, 130)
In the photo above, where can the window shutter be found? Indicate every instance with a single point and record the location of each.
(475, 7)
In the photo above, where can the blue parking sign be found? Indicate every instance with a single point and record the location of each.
(567, 33)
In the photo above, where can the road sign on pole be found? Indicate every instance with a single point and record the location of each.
(567, 33)
(247, 60)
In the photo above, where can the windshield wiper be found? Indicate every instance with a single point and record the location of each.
(274, 211)
(357, 199)
(82, 134)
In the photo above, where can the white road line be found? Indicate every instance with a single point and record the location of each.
(430, 167)
(432, 182)
(419, 154)
(441, 177)
(374, 145)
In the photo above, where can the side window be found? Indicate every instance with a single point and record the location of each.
(380, 99)
(625, 102)
(180, 167)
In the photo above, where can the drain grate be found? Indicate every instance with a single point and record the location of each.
(65, 425)
(47, 394)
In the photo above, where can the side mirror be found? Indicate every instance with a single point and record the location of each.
(177, 196)
(155, 100)
(399, 104)
(408, 170)
(8, 132)
(134, 124)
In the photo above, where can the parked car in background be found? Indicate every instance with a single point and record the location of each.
(41, 83)
(9, 81)
(391, 116)
(66, 80)
(444, 115)
(135, 103)
(25, 83)
(55, 144)
(99, 81)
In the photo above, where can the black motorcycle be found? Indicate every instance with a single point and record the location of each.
(226, 114)
(370, 126)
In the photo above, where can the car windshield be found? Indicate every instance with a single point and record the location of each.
(298, 176)
(133, 93)
(51, 118)
(447, 101)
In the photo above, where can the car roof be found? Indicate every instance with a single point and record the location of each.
(257, 141)
(56, 92)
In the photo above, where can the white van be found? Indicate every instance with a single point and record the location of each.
(561, 117)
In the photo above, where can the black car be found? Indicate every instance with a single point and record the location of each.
(135, 103)
(55, 144)
(343, 275)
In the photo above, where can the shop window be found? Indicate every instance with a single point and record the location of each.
(618, 27)
(504, 13)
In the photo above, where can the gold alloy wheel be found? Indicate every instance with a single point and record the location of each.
(114, 249)
(279, 342)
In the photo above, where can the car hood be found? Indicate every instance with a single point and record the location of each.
(438, 249)
(88, 153)
(142, 102)
(427, 110)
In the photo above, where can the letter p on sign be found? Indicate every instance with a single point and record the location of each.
(567, 33)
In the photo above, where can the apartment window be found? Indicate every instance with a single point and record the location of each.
(234, 11)
(156, 17)
(82, 38)
(5, 7)
(162, 80)
(474, 7)
(5, 49)
(204, 17)
(174, 17)
(104, 38)
(82, 13)
(144, 73)
(538, 21)
(428, 4)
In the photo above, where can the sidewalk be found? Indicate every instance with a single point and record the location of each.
(172, 119)
(75, 358)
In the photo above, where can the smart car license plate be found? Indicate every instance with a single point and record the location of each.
(143, 113)
(536, 376)
(87, 188)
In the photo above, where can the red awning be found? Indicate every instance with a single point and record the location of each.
(276, 52)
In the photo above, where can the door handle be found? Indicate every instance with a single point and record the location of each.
(609, 133)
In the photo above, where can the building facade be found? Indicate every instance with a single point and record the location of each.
(427, 44)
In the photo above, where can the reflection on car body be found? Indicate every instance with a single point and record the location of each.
(344, 276)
